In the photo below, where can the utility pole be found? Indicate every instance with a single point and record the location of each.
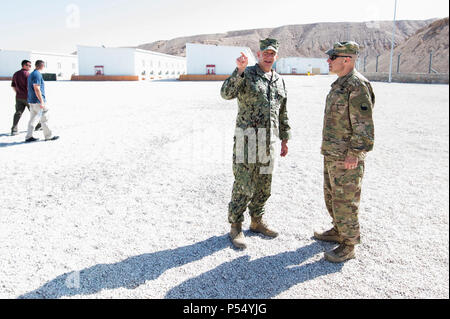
(430, 68)
(392, 43)
(376, 67)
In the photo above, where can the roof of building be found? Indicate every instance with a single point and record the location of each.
(136, 50)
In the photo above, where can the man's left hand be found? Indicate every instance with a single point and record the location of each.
(351, 162)
(284, 148)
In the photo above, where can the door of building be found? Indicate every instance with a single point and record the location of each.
(210, 69)
(99, 70)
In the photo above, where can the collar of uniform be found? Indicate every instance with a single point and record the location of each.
(341, 81)
(262, 74)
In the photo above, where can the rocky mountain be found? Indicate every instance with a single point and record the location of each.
(308, 40)
(415, 51)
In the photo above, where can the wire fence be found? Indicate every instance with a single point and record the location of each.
(430, 64)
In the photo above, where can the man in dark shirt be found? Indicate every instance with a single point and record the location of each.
(20, 86)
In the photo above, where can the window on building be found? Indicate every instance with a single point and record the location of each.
(59, 65)
(74, 66)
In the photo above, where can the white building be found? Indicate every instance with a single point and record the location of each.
(63, 65)
(142, 64)
(203, 59)
(299, 65)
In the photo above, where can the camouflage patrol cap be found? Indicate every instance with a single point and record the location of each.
(269, 44)
(349, 47)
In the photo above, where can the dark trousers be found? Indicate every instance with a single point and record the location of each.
(20, 108)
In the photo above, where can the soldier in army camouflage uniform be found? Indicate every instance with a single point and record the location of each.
(348, 134)
(262, 117)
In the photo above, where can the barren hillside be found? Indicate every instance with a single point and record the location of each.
(308, 40)
(415, 51)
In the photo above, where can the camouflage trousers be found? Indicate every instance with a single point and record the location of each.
(250, 189)
(342, 190)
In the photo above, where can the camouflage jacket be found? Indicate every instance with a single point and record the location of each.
(348, 126)
(261, 100)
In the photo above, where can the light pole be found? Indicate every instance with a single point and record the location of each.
(431, 62)
(392, 43)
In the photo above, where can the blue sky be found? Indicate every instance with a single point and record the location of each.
(58, 26)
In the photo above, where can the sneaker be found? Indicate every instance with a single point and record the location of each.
(31, 139)
(54, 138)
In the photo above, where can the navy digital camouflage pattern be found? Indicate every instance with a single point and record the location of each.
(262, 99)
(269, 44)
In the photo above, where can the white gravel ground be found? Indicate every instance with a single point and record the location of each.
(131, 202)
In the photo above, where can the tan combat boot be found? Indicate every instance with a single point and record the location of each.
(329, 235)
(342, 253)
(259, 226)
(237, 236)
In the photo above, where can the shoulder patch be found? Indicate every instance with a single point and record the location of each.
(361, 101)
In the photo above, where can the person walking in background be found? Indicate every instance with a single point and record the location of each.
(20, 86)
(37, 101)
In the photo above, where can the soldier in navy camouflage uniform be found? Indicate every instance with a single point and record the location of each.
(262, 118)
(348, 134)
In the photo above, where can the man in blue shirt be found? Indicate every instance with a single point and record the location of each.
(37, 101)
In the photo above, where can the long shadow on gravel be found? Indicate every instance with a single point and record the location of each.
(261, 278)
(129, 273)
